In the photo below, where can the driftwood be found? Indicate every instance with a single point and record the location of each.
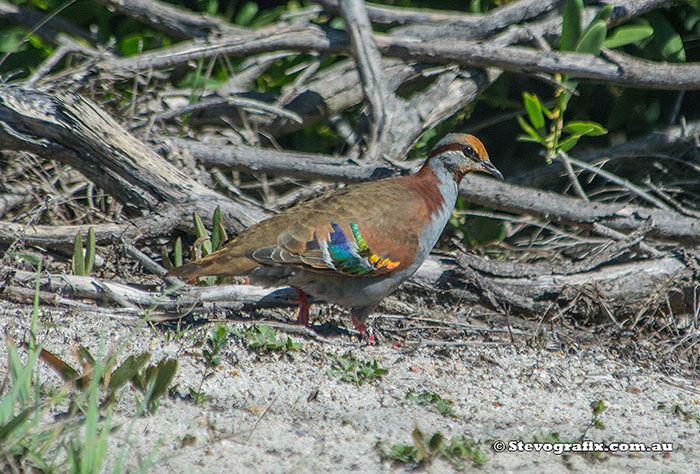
(638, 268)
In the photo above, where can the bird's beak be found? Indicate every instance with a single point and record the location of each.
(488, 167)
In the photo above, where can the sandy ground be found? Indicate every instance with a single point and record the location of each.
(260, 419)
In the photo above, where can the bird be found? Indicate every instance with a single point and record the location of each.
(355, 245)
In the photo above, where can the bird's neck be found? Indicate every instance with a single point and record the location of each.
(436, 185)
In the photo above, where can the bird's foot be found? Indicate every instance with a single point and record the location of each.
(303, 310)
(364, 333)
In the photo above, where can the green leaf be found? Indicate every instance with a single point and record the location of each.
(585, 128)
(11, 40)
(627, 34)
(65, 371)
(165, 373)
(29, 258)
(78, 260)
(199, 228)
(167, 263)
(246, 14)
(568, 143)
(572, 14)
(90, 251)
(128, 370)
(435, 441)
(593, 39)
(177, 253)
(215, 235)
(534, 109)
(85, 356)
(536, 137)
(222, 234)
(603, 14)
(15, 422)
(666, 40)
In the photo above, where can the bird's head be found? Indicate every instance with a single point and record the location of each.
(459, 154)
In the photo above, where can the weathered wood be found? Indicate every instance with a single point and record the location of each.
(69, 128)
(667, 225)
(627, 289)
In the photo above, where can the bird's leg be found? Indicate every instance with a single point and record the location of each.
(303, 310)
(358, 319)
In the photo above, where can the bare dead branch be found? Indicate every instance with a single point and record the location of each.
(159, 222)
(557, 208)
(382, 103)
(673, 140)
(477, 189)
(481, 25)
(174, 21)
(72, 129)
(10, 201)
(48, 32)
(261, 160)
(617, 69)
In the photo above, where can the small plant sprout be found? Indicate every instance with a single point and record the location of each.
(204, 244)
(349, 368)
(597, 407)
(456, 450)
(573, 38)
(444, 407)
(83, 260)
(265, 339)
(676, 409)
(216, 341)
(177, 260)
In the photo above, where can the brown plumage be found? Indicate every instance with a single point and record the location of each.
(354, 245)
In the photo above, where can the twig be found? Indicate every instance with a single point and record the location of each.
(368, 60)
(430, 343)
(248, 104)
(36, 28)
(45, 28)
(672, 202)
(67, 47)
(262, 415)
(622, 182)
(175, 21)
(566, 161)
(292, 90)
(478, 25)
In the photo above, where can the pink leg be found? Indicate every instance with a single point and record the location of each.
(360, 326)
(303, 302)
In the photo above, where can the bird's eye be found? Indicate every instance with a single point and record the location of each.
(468, 151)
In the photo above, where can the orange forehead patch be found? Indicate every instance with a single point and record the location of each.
(477, 145)
(460, 141)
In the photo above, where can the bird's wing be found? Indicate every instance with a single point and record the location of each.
(351, 233)
(368, 229)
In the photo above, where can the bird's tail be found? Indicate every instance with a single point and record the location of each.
(187, 271)
(220, 263)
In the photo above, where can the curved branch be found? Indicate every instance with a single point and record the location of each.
(69, 128)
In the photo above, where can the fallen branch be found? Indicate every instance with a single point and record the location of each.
(487, 192)
(613, 68)
(174, 21)
(71, 129)
(474, 281)
(481, 25)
